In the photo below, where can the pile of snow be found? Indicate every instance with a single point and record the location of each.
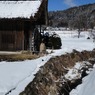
(76, 71)
(15, 76)
(87, 87)
(19, 9)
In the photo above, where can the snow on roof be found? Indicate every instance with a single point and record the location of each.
(19, 9)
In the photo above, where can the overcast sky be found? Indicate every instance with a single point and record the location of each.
(64, 4)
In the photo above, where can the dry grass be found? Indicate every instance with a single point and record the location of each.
(18, 57)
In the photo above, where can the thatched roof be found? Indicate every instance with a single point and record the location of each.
(19, 9)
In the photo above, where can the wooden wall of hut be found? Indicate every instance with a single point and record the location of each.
(11, 34)
(11, 24)
(11, 40)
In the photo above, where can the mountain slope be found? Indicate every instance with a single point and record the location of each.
(85, 13)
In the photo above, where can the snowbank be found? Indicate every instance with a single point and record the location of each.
(87, 87)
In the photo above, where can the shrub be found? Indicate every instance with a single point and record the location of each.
(53, 41)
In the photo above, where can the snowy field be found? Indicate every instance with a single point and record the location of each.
(15, 76)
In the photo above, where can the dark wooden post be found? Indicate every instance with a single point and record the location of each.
(0, 39)
(46, 12)
(22, 40)
(40, 29)
(15, 46)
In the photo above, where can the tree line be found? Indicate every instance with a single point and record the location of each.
(81, 17)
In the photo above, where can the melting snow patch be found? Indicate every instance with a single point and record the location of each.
(76, 71)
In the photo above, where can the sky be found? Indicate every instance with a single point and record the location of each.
(55, 5)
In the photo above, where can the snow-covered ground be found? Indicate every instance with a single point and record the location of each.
(15, 76)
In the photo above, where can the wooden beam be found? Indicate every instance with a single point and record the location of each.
(0, 40)
(46, 12)
(22, 40)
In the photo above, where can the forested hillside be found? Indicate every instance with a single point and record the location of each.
(76, 17)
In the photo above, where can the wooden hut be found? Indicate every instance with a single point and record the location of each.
(18, 24)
